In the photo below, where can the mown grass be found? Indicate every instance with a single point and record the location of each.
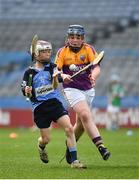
(19, 157)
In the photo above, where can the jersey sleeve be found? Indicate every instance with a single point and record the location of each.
(59, 60)
(92, 54)
(25, 80)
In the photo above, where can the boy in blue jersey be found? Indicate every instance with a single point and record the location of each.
(46, 101)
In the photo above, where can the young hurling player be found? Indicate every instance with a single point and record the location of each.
(46, 102)
(115, 93)
(80, 91)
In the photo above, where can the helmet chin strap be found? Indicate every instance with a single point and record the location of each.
(75, 49)
(44, 62)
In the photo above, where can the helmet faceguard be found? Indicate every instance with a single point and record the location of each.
(78, 31)
(40, 46)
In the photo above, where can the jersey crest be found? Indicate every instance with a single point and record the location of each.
(82, 57)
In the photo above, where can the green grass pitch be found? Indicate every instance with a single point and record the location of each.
(19, 157)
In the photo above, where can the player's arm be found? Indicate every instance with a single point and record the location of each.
(94, 75)
(60, 77)
(56, 78)
(59, 61)
(26, 85)
(95, 71)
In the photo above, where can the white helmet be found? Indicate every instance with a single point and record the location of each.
(115, 77)
(41, 45)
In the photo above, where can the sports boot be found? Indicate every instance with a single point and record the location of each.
(77, 164)
(104, 152)
(43, 155)
(68, 156)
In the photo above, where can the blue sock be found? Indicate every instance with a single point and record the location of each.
(73, 153)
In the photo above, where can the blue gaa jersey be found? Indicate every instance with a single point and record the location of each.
(42, 88)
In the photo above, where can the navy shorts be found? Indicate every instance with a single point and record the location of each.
(48, 111)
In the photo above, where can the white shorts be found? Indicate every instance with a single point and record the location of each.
(113, 109)
(75, 95)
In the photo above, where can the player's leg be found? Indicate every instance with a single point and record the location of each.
(42, 120)
(78, 128)
(42, 141)
(80, 101)
(64, 122)
(117, 118)
(78, 131)
(113, 114)
(43, 123)
(109, 117)
(84, 112)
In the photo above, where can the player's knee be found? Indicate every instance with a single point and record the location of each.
(69, 130)
(85, 115)
(45, 140)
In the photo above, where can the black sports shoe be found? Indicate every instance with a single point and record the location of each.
(68, 156)
(104, 152)
(43, 155)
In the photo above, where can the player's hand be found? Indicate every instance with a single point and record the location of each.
(55, 82)
(66, 78)
(56, 73)
(28, 90)
(92, 80)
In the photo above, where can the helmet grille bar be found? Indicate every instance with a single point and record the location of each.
(76, 29)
